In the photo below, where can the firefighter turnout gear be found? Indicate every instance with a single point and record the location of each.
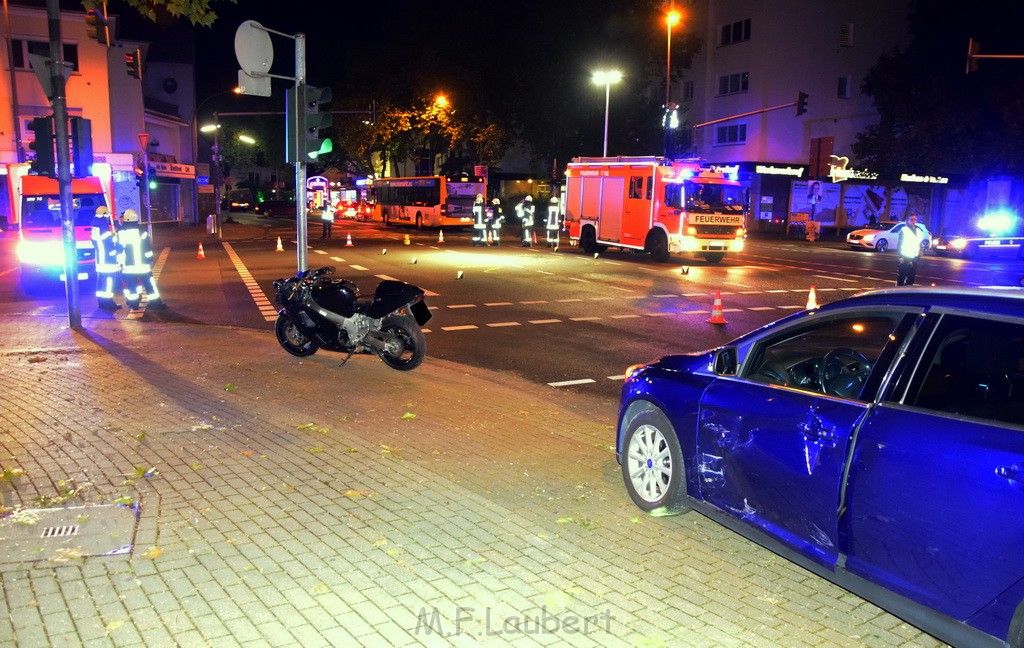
(551, 226)
(494, 219)
(104, 242)
(908, 249)
(525, 211)
(479, 221)
(136, 256)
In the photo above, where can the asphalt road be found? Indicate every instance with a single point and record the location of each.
(561, 319)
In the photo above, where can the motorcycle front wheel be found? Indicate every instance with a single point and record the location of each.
(293, 341)
(405, 346)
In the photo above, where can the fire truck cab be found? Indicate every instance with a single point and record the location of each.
(654, 205)
(36, 213)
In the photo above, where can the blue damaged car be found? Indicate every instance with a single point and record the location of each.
(877, 441)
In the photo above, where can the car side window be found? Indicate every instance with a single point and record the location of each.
(833, 356)
(972, 367)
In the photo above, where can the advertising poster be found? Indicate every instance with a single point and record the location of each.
(816, 199)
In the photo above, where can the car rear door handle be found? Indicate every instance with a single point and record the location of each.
(814, 428)
(1014, 473)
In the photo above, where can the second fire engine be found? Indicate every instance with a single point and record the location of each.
(654, 205)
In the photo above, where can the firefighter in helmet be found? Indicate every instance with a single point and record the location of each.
(494, 219)
(479, 221)
(525, 211)
(136, 262)
(104, 243)
(551, 226)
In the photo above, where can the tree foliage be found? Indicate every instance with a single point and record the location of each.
(197, 12)
(934, 118)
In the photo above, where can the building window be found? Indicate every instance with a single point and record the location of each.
(20, 49)
(736, 32)
(733, 83)
(844, 86)
(734, 134)
(687, 90)
(846, 34)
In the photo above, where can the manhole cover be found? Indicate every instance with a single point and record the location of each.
(60, 534)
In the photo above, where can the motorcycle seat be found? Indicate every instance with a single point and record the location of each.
(363, 302)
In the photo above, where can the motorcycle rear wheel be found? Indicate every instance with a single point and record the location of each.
(293, 341)
(406, 347)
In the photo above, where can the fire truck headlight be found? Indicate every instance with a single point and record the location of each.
(740, 232)
(691, 231)
(41, 253)
(958, 243)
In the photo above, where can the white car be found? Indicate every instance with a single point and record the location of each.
(882, 238)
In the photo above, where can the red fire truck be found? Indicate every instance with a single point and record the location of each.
(35, 211)
(654, 205)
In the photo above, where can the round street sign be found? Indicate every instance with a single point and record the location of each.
(253, 48)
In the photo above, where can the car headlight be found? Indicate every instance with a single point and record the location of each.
(958, 243)
(633, 370)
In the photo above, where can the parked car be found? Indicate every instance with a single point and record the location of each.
(882, 237)
(273, 208)
(970, 247)
(878, 441)
(354, 209)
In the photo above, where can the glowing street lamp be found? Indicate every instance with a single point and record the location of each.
(247, 139)
(671, 18)
(606, 78)
(441, 101)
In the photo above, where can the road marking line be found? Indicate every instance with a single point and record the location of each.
(461, 305)
(535, 301)
(545, 321)
(619, 377)
(566, 301)
(261, 301)
(338, 259)
(629, 316)
(583, 319)
(694, 312)
(622, 289)
(776, 291)
(466, 327)
(319, 251)
(359, 267)
(761, 308)
(578, 279)
(835, 278)
(665, 295)
(793, 307)
(385, 277)
(657, 314)
(569, 383)
(497, 303)
(499, 324)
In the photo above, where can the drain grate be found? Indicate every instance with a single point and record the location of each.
(60, 531)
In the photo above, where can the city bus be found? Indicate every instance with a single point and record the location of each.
(428, 201)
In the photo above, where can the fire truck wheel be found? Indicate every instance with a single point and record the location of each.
(713, 257)
(657, 246)
(588, 240)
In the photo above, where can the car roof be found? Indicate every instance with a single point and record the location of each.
(1007, 300)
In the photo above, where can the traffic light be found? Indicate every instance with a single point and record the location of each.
(151, 178)
(96, 25)
(313, 101)
(46, 161)
(81, 146)
(801, 103)
(133, 62)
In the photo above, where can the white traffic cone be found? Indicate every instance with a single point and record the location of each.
(200, 254)
(348, 241)
(812, 300)
(280, 248)
(440, 236)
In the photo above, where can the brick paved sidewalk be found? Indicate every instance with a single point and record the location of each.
(294, 502)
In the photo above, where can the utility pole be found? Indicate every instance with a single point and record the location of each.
(60, 122)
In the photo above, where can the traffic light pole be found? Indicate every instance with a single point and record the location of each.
(301, 225)
(60, 122)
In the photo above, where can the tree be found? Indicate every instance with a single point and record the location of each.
(933, 118)
(197, 12)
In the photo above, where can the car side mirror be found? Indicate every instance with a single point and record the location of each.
(724, 362)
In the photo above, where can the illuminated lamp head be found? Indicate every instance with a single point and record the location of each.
(997, 223)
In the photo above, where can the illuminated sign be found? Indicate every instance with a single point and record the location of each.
(734, 168)
(797, 172)
(838, 171)
(913, 177)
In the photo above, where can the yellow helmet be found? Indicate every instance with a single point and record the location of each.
(495, 202)
(102, 211)
(130, 216)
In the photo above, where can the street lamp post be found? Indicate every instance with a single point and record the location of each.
(672, 18)
(606, 78)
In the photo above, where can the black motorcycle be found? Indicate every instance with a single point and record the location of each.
(322, 311)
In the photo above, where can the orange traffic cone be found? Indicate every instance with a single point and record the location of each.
(280, 248)
(440, 236)
(348, 241)
(812, 300)
(716, 311)
(201, 254)
(535, 238)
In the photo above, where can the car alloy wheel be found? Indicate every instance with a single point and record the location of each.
(652, 464)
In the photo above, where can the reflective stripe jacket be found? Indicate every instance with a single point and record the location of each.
(909, 245)
(104, 239)
(136, 253)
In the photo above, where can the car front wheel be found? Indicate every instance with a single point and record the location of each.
(652, 464)
(882, 245)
